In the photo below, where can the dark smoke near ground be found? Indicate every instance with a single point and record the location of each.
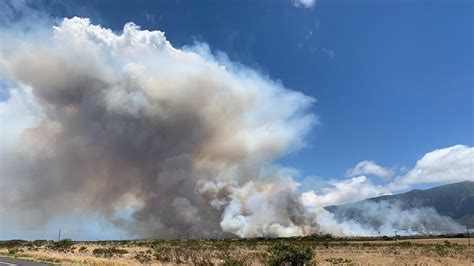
(184, 139)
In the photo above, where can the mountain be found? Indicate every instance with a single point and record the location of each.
(452, 200)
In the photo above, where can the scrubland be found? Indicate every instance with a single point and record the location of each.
(288, 251)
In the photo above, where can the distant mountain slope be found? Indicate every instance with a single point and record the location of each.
(452, 200)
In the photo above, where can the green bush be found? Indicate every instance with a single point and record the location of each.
(65, 245)
(13, 251)
(286, 254)
(405, 244)
(11, 244)
(326, 244)
(83, 250)
(108, 252)
(39, 242)
(340, 261)
(440, 250)
(142, 257)
(163, 254)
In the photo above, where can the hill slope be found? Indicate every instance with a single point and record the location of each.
(452, 200)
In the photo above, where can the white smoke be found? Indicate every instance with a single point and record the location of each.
(370, 218)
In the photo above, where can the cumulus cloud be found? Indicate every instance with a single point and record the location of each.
(446, 165)
(190, 137)
(304, 3)
(369, 168)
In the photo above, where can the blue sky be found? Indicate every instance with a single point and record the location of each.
(393, 79)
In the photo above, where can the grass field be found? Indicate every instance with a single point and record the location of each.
(309, 250)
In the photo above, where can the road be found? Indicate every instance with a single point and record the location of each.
(11, 262)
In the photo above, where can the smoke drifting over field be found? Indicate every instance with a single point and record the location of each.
(384, 218)
(183, 138)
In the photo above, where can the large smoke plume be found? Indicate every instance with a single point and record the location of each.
(128, 118)
(183, 138)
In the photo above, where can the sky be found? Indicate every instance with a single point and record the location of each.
(392, 81)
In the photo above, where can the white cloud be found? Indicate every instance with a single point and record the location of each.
(304, 3)
(369, 168)
(344, 191)
(447, 165)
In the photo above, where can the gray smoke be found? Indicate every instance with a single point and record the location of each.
(183, 138)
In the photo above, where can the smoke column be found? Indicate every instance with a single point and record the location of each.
(188, 138)
(100, 122)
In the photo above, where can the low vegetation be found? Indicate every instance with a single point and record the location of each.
(320, 250)
(340, 261)
(64, 246)
(287, 254)
(109, 252)
(83, 249)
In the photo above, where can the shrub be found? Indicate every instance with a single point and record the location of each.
(163, 254)
(449, 244)
(39, 242)
(405, 244)
(11, 244)
(13, 251)
(340, 261)
(326, 244)
(317, 237)
(65, 245)
(440, 250)
(83, 250)
(286, 254)
(142, 257)
(108, 252)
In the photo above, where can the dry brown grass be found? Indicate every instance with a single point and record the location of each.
(419, 252)
(435, 251)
